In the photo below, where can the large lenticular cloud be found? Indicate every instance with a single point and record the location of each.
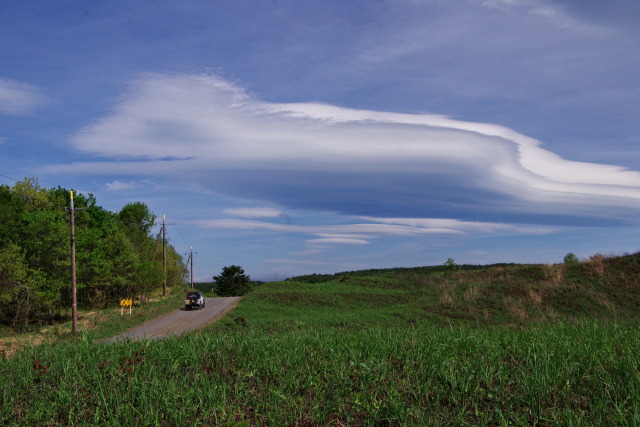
(207, 130)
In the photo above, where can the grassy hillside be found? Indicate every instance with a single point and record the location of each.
(504, 294)
(504, 345)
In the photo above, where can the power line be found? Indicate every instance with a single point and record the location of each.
(8, 177)
(15, 169)
(45, 182)
(181, 235)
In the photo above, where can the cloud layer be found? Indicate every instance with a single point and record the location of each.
(364, 230)
(18, 98)
(204, 129)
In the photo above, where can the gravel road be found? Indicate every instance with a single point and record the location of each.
(179, 321)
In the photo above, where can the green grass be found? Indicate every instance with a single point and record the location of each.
(580, 374)
(364, 350)
(94, 324)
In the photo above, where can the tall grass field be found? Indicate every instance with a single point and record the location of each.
(502, 345)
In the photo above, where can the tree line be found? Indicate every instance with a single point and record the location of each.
(116, 255)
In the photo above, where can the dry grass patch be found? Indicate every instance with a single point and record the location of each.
(471, 293)
(597, 263)
(554, 274)
(447, 297)
(534, 296)
(516, 309)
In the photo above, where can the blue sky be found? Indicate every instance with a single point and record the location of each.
(293, 137)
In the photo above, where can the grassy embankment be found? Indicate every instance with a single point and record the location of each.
(92, 324)
(502, 345)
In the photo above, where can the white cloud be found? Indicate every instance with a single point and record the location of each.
(345, 236)
(295, 261)
(255, 212)
(336, 159)
(465, 226)
(503, 4)
(358, 234)
(337, 241)
(18, 98)
(551, 11)
(298, 262)
(121, 185)
(361, 230)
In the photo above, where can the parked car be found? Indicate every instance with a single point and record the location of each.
(194, 300)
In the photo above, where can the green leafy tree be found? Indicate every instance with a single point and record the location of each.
(175, 266)
(16, 287)
(45, 240)
(34, 197)
(11, 208)
(137, 216)
(571, 259)
(451, 265)
(115, 254)
(232, 281)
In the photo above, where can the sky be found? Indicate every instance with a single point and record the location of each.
(295, 137)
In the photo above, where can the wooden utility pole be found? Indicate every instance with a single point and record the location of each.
(191, 257)
(164, 255)
(74, 302)
(155, 248)
(185, 270)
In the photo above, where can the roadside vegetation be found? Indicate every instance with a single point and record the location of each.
(116, 256)
(93, 324)
(444, 345)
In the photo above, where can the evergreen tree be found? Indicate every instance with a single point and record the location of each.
(232, 281)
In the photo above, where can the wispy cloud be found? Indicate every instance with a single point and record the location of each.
(375, 227)
(333, 241)
(465, 226)
(122, 185)
(315, 264)
(553, 11)
(206, 130)
(328, 237)
(361, 229)
(17, 98)
(255, 212)
(296, 261)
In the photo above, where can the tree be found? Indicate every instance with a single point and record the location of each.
(232, 281)
(451, 265)
(29, 191)
(45, 241)
(11, 208)
(571, 259)
(138, 220)
(114, 253)
(16, 287)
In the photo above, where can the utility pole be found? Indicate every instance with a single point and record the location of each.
(185, 270)
(74, 302)
(191, 257)
(163, 233)
(164, 255)
(155, 249)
